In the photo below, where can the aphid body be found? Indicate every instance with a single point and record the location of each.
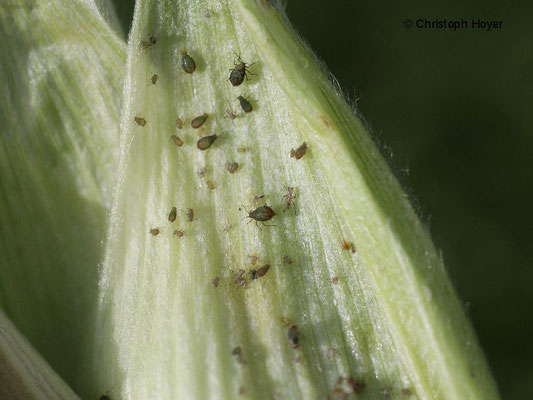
(198, 121)
(300, 151)
(238, 72)
(140, 121)
(179, 123)
(245, 104)
(261, 214)
(206, 142)
(172, 214)
(147, 44)
(190, 214)
(177, 141)
(155, 77)
(178, 233)
(290, 196)
(155, 231)
(231, 167)
(187, 62)
(293, 336)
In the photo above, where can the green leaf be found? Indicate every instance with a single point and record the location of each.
(177, 318)
(62, 69)
(24, 374)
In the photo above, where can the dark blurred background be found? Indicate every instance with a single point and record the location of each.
(453, 111)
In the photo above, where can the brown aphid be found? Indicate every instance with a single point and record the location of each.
(245, 104)
(290, 196)
(357, 386)
(300, 151)
(190, 214)
(179, 123)
(199, 121)
(239, 72)
(201, 172)
(292, 334)
(149, 43)
(155, 77)
(259, 196)
(260, 272)
(231, 167)
(206, 142)
(287, 260)
(407, 392)
(253, 258)
(140, 121)
(177, 141)
(335, 280)
(187, 62)
(261, 214)
(242, 390)
(172, 215)
(155, 231)
(216, 281)
(178, 233)
(237, 352)
(348, 246)
(210, 185)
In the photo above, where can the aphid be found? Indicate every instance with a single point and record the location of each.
(237, 351)
(201, 172)
(199, 121)
(253, 258)
(230, 113)
(210, 185)
(348, 246)
(292, 334)
(178, 233)
(206, 142)
(147, 44)
(140, 121)
(239, 278)
(260, 272)
(232, 167)
(261, 214)
(290, 196)
(259, 196)
(407, 392)
(239, 71)
(245, 104)
(335, 280)
(155, 231)
(179, 123)
(187, 62)
(241, 149)
(216, 281)
(242, 390)
(177, 141)
(357, 387)
(263, 270)
(287, 260)
(155, 77)
(172, 214)
(300, 151)
(190, 214)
